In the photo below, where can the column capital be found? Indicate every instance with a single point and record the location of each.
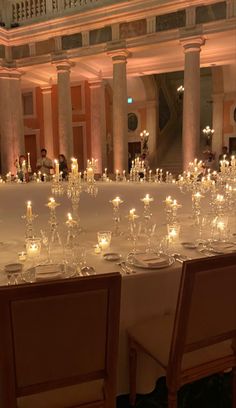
(47, 89)
(10, 73)
(119, 56)
(62, 63)
(192, 44)
(95, 83)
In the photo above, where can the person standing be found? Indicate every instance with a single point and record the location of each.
(44, 164)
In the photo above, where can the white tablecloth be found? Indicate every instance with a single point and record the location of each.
(144, 293)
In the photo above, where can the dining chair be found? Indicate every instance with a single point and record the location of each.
(199, 339)
(59, 343)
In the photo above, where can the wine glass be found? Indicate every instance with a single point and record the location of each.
(150, 231)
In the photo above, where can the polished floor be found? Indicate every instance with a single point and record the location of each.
(212, 392)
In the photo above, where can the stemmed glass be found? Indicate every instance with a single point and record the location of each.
(135, 230)
(150, 231)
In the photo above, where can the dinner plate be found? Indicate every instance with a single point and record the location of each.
(111, 256)
(217, 247)
(189, 245)
(61, 272)
(150, 261)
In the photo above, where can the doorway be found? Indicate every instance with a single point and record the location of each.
(232, 145)
(134, 150)
(31, 147)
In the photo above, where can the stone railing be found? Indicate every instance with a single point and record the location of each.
(27, 11)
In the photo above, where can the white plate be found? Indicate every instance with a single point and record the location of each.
(189, 245)
(111, 256)
(140, 260)
(64, 272)
(13, 268)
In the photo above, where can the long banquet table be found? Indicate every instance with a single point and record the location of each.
(145, 293)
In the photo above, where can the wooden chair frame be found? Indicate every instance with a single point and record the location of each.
(176, 376)
(109, 283)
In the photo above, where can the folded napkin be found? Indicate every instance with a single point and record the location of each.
(51, 271)
(151, 260)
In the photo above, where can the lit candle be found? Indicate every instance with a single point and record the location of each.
(116, 202)
(22, 256)
(33, 249)
(104, 243)
(29, 209)
(28, 155)
(132, 215)
(147, 199)
(168, 201)
(52, 203)
(56, 167)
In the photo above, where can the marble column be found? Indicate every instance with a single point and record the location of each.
(191, 106)
(47, 120)
(98, 123)
(11, 118)
(217, 123)
(64, 109)
(151, 109)
(120, 121)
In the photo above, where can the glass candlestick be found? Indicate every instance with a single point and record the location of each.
(29, 217)
(196, 205)
(116, 215)
(55, 244)
(71, 233)
(147, 214)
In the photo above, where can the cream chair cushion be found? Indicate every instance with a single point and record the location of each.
(154, 336)
(66, 397)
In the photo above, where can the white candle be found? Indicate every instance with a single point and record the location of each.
(28, 155)
(116, 202)
(132, 215)
(56, 167)
(147, 199)
(168, 201)
(29, 209)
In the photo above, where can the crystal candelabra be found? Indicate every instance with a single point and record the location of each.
(71, 225)
(55, 247)
(52, 205)
(116, 215)
(171, 208)
(208, 133)
(74, 194)
(196, 206)
(150, 176)
(29, 218)
(117, 176)
(147, 214)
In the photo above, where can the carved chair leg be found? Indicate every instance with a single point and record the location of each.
(234, 388)
(172, 399)
(132, 373)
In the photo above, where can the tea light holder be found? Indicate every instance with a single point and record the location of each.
(173, 232)
(33, 247)
(22, 256)
(104, 239)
